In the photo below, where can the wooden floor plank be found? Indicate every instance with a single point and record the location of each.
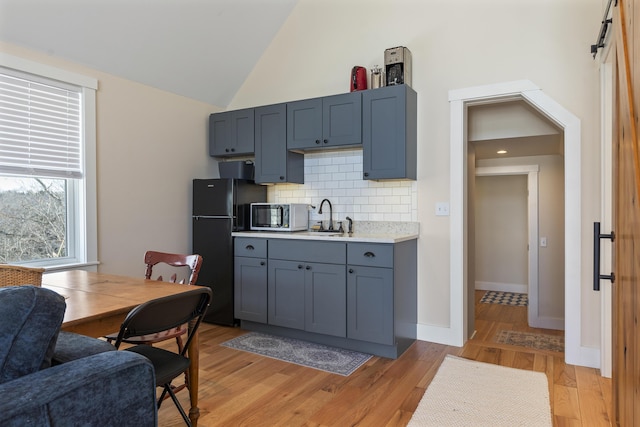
(240, 388)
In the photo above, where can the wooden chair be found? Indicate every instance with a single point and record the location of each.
(194, 262)
(15, 275)
(177, 261)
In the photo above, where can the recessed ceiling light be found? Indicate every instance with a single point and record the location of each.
(502, 151)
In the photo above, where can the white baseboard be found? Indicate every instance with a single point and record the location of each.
(502, 287)
(550, 323)
(583, 356)
(439, 334)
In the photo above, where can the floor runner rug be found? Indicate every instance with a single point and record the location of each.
(322, 357)
(505, 298)
(469, 393)
(531, 340)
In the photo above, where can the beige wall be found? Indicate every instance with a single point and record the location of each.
(455, 44)
(501, 231)
(150, 145)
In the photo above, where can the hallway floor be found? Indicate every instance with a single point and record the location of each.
(579, 396)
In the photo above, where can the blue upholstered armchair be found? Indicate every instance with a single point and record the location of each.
(47, 380)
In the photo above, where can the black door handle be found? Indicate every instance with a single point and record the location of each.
(596, 257)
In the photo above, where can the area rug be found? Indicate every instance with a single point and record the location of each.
(469, 393)
(322, 357)
(531, 340)
(505, 298)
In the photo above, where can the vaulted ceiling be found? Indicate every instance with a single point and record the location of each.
(201, 49)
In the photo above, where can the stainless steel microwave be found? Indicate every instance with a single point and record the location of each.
(279, 216)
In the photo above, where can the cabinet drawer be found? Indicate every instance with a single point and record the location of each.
(250, 247)
(370, 254)
(304, 250)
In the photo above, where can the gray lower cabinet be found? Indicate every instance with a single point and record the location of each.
(370, 304)
(356, 295)
(389, 133)
(250, 289)
(307, 286)
(307, 296)
(273, 162)
(231, 133)
(325, 299)
(370, 292)
(250, 279)
(286, 294)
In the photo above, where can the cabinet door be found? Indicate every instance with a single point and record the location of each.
(370, 304)
(342, 120)
(219, 134)
(286, 293)
(250, 289)
(273, 163)
(231, 133)
(331, 121)
(326, 299)
(304, 124)
(389, 138)
(242, 135)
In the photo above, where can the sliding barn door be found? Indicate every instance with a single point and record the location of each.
(626, 295)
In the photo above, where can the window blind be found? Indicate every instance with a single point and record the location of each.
(40, 127)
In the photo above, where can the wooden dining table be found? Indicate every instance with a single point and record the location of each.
(97, 303)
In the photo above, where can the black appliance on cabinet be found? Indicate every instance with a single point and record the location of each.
(221, 206)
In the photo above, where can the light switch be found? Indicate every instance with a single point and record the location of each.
(543, 242)
(442, 209)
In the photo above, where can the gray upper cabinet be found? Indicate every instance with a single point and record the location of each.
(389, 133)
(231, 133)
(273, 163)
(330, 121)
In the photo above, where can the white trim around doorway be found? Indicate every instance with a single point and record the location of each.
(456, 332)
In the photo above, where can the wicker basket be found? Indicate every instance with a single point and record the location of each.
(14, 275)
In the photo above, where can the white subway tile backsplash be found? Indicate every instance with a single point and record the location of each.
(337, 176)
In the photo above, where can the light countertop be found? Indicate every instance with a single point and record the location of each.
(329, 237)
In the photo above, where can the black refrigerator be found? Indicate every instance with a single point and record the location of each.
(221, 206)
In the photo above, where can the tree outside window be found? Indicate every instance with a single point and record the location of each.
(33, 219)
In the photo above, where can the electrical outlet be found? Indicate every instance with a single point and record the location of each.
(442, 209)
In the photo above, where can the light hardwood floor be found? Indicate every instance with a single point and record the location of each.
(242, 389)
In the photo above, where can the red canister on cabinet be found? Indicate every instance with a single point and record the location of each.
(358, 78)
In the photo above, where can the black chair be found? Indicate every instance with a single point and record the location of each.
(159, 315)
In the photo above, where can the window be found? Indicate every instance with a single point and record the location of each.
(47, 165)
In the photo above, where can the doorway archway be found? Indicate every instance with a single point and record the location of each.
(525, 90)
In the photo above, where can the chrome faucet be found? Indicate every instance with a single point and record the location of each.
(330, 213)
(350, 225)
